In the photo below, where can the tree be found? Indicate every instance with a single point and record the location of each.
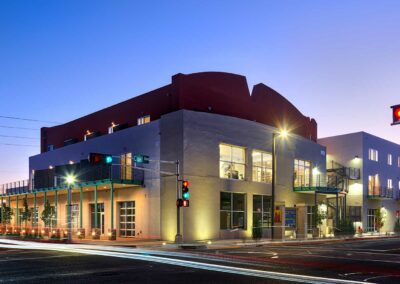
(317, 217)
(48, 214)
(6, 213)
(26, 214)
(378, 220)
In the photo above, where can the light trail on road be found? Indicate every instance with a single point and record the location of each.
(145, 255)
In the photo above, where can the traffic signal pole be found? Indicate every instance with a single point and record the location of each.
(178, 237)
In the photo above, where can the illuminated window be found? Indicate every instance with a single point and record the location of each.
(373, 185)
(371, 220)
(262, 166)
(389, 159)
(398, 162)
(74, 215)
(389, 184)
(232, 210)
(143, 120)
(373, 154)
(231, 162)
(50, 148)
(262, 211)
(111, 128)
(126, 166)
(35, 216)
(302, 173)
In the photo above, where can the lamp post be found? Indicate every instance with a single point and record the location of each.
(284, 134)
(70, 179)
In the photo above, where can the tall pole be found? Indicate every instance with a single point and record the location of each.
(80, 208)
(35, 211)
(273, 184)
(69, 213)
(178, 237)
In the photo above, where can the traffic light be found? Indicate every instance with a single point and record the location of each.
(141, 159)
(185, 193)
(396, 114)
(97, 158)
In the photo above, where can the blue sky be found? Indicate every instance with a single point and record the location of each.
(337, 61)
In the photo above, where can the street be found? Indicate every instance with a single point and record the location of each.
(372, 261)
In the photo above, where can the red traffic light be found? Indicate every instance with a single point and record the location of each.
(185, 183)
(97, 158)
(396, 114)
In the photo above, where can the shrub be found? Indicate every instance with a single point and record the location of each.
(344, 227)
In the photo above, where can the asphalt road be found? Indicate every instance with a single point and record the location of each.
(31, 266)
(374, 261)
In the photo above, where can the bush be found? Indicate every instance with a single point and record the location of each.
(344, 228)
(397, 226)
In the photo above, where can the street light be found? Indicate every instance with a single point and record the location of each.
(282, 133)
(70, 179)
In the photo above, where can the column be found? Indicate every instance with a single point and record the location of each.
(96, 231)
(112, 234)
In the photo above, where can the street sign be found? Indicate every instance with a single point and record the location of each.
(140, 159)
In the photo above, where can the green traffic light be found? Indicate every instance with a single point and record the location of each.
(108, 159)
(185, 195)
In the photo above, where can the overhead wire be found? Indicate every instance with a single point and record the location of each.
(29, 119)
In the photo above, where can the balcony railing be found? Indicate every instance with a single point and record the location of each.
(322, 183)
(381, 192)
(84, 174)
(347, 172)
(15, 187)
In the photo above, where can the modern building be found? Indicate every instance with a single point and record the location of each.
(221, 134)
(379, 183)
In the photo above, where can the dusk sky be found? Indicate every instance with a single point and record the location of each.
(337, 61)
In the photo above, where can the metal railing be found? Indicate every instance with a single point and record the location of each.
(16, 187)
(381, 192)
(56, 177)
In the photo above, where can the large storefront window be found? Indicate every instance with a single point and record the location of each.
(74, 215)
(262, 211)
(371, 220)
(302, 173)
(232, 211)
(100, 216)
(262, 166)
(35, 216)
(126, 166)
(232, 161)
(354, 213)
(310, 219)
(127, 219)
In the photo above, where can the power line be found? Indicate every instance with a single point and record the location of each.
(16, 127)
(19, 137)
(20, 145)
(28, 119)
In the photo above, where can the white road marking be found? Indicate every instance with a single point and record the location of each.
(178, 262)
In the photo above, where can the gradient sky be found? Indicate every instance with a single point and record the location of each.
(337, 61)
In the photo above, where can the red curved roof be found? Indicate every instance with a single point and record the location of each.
(214, 92)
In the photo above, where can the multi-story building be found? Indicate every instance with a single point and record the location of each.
(221, 134)
(379, 183)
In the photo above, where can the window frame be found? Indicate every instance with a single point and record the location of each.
(264, 169)
(373, 155)
(232, 163)
(231, 211)
(268, 220)
(389, 159)
(143, 119)
(298, 183)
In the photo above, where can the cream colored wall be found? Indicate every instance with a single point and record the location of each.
(146, 209)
